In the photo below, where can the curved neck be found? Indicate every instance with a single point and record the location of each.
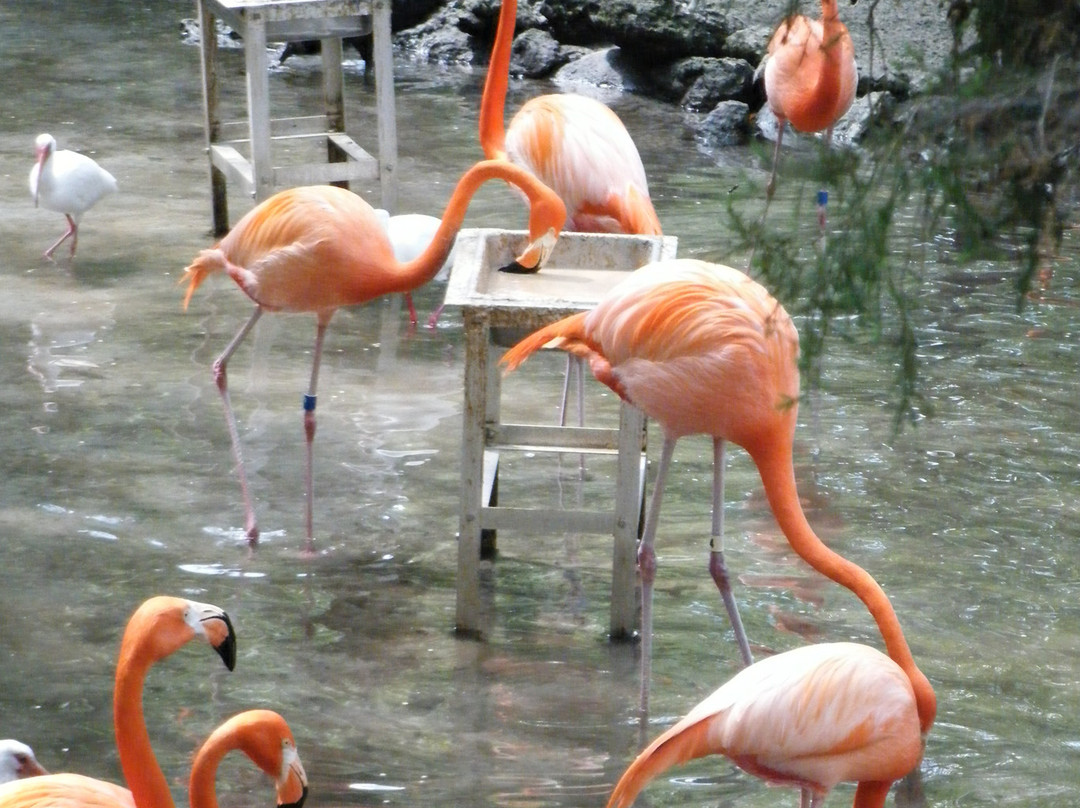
(778, 476)
(141, 770)
(493, 101)
(202, 792)
(426, 266)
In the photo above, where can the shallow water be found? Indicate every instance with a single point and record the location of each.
(117, 484)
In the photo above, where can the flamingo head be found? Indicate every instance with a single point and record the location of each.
(547, 215)
(265, 737)
(163, 624)
(44, 146)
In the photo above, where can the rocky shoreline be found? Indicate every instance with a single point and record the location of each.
(698, 54)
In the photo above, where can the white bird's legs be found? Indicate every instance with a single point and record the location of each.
(717, 568)
(309, 434)
(72, 231)
(575, 366)
(646, 559)
(251, 530)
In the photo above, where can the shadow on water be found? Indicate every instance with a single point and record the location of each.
(116, 483)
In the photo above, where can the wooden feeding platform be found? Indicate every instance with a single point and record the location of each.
(498, 308)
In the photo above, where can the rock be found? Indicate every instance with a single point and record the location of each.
(726, 125)
(536, 54)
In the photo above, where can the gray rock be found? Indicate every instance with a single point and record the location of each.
(726, 125)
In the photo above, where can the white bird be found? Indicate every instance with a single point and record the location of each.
(410, 234)
(67, 182)
(17, 761)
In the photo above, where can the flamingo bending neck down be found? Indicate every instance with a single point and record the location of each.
(17, 761)
(262, 735)
(66, 182)
(319, 248)
(574, 144)
(703, 349)
(810, 75)
(159, 627)
(265, 737)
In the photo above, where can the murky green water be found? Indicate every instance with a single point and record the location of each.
(116, 483)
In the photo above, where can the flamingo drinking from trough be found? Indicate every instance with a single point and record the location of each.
(262, 735)
(701, 349)
(17, 761)
(66, 182)
(318, 248)
(158, 628)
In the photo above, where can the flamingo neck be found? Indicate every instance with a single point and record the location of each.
(141, 770)
(202, 792)
(493, 101)
(425, 266)
(778, 476)
(815, 110)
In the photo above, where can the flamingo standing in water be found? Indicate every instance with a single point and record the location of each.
(702, 349)
(158, 628)
(66, 182)
(810, 79)
(317, 248)
(17, 761)
(810, 718)
(262, 735)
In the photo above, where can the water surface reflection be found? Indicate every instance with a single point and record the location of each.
(117, 483)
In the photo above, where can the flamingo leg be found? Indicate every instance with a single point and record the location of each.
(72, 232)
(433, 318)
(770, 188)
(412, 310)
(647, 569)
(575, 366)
(309, 435)
(251, 530)
(717, 567)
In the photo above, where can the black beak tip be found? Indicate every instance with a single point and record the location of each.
(227, 649)
(514, 268)
(299, 803)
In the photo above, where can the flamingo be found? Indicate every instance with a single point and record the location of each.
(811, 718)
(66, 182)
(17, 761)
(810, 76)
(574, 144)
(262, 735)
(410, 233)
(158, 627)
(318, 248)
(701, 349)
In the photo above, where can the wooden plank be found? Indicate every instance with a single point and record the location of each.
(545, 437)
(323, 173)
(383, 57)
(234, 166)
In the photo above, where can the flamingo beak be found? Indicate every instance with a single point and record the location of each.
(535, 255)
(216, 626)
(292, 789)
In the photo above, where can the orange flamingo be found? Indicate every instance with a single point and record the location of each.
(811, 718)
(318, 248)
(158, 628)
(576, 145)
(702, 349)
(17, 761)
(262, 735)
(810, 75)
